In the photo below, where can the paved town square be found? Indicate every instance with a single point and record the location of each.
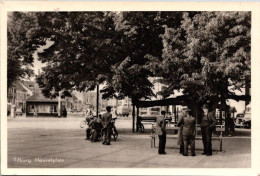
(60, 143)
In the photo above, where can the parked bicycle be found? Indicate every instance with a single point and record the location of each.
(140, 127)
(114, 130)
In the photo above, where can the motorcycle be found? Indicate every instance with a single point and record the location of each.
(114, 130)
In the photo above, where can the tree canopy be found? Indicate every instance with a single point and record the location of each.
(213, 55)
(203, 54)
(20, 47)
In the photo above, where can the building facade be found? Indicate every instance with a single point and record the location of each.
(18, 94)
(38, 105)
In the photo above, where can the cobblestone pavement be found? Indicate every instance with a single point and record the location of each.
(59, 143)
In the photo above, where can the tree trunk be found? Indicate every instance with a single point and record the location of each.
(247, 90)
(97, 103)
(59, 105)
(175, 114)
(137, 121)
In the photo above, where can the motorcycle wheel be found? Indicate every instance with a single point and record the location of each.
(115, 133)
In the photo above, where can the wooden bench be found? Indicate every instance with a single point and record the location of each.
(219, 128)
(150, 120)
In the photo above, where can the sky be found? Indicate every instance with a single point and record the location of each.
(36, 63)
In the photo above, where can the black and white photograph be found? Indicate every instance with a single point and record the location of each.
(128, 89)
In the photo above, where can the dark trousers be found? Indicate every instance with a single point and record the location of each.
(95, 134)
(206, 133)
(162, 142)
(189, 140)
(107, 134)
(182, 148)
(88, 133)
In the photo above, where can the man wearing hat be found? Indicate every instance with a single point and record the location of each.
(107, 128)
(161, 131)
(208, 123)
(188, 132)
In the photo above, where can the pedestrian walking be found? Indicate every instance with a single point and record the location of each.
(207, 125)
(161, 131)
(107, 127)
(188, 132)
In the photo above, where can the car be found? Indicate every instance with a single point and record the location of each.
(149, 115)
(239, 120)
(19, 111)
(247, 120)
(123, 111)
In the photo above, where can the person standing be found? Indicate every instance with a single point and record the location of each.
(208, 123)
(64, 113)
(96, 129)
(161, 131)
(89, 128)
(107, 127)
(188, 132)
(180, 136)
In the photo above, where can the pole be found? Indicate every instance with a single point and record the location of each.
(175, 114)
(12, 113)
(97, 99)
(133, 114)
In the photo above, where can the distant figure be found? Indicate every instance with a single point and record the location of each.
(88, 130)
(107, 127)
(208, 123)
(35, 112)
(161, 131)
(51, 109)
(64, 113)
(90, 113)
(230, 125)
(188, 132)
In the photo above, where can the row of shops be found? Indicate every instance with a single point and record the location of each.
(27, 97)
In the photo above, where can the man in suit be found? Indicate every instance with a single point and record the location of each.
(181, 115)
(208, 123)
(188, 132)
(107, 127)
(161, 131)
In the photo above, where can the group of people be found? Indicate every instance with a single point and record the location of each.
(99, 125)
(187, 131)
